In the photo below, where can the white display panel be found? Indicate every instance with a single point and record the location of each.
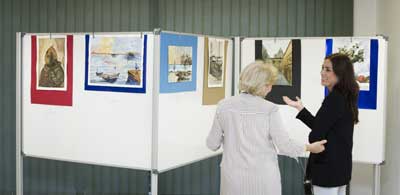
(104, 128)
(115, 129)
(184, 122)
(369, 134)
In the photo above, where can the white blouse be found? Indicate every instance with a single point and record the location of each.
(251, 130)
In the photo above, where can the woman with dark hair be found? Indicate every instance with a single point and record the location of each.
(330, 171)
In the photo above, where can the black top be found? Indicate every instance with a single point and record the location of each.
(333, 122)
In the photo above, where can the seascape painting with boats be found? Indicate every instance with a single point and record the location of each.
(116, 61)
(179, 64)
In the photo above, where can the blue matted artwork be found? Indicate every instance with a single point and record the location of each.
(178, 63)
(116, 63)
(367, 98)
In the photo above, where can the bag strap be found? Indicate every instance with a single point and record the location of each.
(307, 174)
(307, 170)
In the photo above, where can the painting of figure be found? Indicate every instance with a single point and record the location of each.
(51, 69)
(51, 64)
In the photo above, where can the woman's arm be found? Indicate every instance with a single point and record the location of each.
(331, 110)
(287, 146)
(216, 135)
(304, 115)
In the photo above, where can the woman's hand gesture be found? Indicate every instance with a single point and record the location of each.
(295, 104)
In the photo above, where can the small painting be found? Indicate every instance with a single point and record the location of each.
(358, 50)
(216, 62)
(51, 67)
(285, 56)
(179, 64)
(279, 54)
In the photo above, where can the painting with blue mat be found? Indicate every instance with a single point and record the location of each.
(363, 53)
(116, 63)
(178, 63)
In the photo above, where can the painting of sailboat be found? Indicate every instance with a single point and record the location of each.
(179, 64)
(116, 61)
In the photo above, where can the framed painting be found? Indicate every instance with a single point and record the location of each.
(116, 63)
(51, 70)
(363, 53)
(285, 56)
(178, 63)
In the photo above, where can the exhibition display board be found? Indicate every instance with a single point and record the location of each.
(369, 56)
(146, 100)
(89, 98)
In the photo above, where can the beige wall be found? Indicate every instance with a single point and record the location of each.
(388, 24)
(365, 12)
(365, 24)
(373, 17)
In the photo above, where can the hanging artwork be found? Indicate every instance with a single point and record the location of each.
(285, 56)
(178, 63)
(279, 54)
(359, 52)
(214, 70)
(51, 70)
(216, 62)
(363, 54)
(116, 63)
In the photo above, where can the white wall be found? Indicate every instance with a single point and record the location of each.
(373, 17)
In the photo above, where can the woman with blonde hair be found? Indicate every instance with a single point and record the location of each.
(251, 131)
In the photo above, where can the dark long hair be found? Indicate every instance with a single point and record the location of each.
(346, 85)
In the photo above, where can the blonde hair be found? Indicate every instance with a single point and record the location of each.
(255, 76)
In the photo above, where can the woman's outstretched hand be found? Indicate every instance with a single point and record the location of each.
(295, 104)
(316, 147)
